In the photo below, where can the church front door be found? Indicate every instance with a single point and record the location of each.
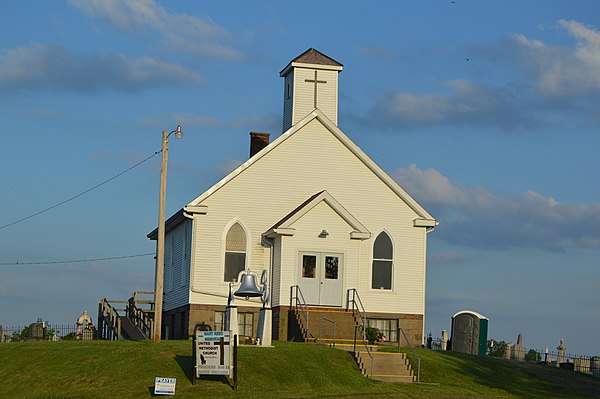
(320, 278)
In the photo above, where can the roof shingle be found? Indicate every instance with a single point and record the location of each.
(313, 56)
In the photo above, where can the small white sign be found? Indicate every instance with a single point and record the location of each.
(164, 386)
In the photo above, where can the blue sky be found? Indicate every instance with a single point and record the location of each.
(485, 112)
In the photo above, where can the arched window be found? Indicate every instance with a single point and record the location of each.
(235, 252)
(383, 260)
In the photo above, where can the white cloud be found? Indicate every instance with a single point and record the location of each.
(467, 104)
(547, 81)
(475, 217)
(534, 44)
(50, 67)
(192, 34)
(561, 71)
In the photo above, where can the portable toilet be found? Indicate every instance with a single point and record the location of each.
(469, 333)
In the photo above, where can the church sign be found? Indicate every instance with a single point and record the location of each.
(213, 352)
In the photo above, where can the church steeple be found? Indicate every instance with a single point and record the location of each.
(310, 81)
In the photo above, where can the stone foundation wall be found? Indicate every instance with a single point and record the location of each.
(285, 326)
(180, 322)
(204, 316)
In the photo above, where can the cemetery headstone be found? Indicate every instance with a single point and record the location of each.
(595, 365)
(561, 353)
(444, 339)
(36, 331)
(519, 349)
(508, 353)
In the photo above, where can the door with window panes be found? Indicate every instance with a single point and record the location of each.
(320, 278)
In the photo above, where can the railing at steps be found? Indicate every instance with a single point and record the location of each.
(297, 300)
(352, 298)
(109, 323)
(354, 304)
(139, 311)
(321, 328)
(401, 331)
(140, 317)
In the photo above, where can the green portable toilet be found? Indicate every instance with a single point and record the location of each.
(469, 333)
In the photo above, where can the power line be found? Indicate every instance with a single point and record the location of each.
(80, 194)
(74, 261)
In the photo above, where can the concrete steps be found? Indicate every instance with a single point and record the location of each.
(343, 344)
(387, 367)
(321, 323)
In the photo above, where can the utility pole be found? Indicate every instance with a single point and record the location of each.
(160, 241)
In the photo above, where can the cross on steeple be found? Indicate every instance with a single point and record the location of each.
(315, 81)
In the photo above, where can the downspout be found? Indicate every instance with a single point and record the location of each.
(192, 250)
(427, 231)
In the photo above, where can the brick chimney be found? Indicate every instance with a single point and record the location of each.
(258, 141)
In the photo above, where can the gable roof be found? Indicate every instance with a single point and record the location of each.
(424, 219)
(284, 226)
(315, 58)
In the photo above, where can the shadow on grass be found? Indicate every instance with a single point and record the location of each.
(187, 366)
(524, 380)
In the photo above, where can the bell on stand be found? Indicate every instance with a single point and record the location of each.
(248, 286)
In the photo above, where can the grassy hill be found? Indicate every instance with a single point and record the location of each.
(290, 370)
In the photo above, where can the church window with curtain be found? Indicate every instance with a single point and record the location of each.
(383, 260)
(235, 252)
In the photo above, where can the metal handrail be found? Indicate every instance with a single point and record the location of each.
(359, 306)
(299, 300)
(321, 327)
(356, 307)
(412, 351)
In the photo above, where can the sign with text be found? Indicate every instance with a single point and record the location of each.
(164, 386)
(213, 352)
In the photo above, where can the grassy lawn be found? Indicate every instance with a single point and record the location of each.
(290, 370)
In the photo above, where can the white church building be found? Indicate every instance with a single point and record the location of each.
(310, 208)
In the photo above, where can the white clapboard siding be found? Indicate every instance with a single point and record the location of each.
(177, 265)
(304, 93)
(307, 162)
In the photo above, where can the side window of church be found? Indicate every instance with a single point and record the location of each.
(219, 324)
(389, 328)
(245, 324)
(383, 259)
(235, 252)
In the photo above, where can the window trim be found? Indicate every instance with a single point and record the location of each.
(373, 259)
(387, 333)
(228, 226)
